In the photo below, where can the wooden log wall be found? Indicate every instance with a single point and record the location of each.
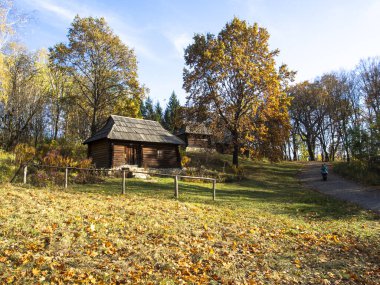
(118, 158)
(194, 140)
(161, 156)
(99, 151)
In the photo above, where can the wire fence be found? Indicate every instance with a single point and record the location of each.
(65, 175)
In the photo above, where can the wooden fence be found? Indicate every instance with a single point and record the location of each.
(123, 172)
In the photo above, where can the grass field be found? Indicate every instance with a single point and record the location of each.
(266, 229)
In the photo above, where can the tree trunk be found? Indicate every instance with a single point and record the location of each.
(295, 148)
(348, 156)
(93, 123)
(235, 155)
(55, 135)
(310, 150)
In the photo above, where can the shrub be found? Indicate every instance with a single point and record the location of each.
(86, 176)
(24, 153)
(239, 172)
(40, 178)
(185, 161)
(359, 171)
(65, 148)
(54, 158)
(53, 174)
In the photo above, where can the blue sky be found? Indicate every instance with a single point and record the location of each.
(314, 37)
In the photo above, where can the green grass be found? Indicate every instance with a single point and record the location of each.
(266, 229)
(7, 166)
(358, 171)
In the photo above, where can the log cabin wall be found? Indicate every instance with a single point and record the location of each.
(107, 154)
(99, 151)
(160, 156)
(118, 155)
(197, 140)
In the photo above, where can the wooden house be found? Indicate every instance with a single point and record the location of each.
(195, 136)
(129, 141)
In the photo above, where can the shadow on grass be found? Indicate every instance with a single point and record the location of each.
(273, 189)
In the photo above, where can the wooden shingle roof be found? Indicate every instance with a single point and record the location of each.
(194, 128)
(132, 129)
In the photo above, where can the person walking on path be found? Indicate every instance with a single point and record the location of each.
(324, 171)
(340, 188)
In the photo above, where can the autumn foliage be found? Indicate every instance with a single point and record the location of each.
(276, 235)
(234, 76)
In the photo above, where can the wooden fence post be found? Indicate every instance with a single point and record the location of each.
(176, 186)
(213, 189)
(123, 182)
(66, 176)
(25, 172)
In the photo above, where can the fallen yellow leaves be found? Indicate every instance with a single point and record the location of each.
(142, 241)
(35, 271)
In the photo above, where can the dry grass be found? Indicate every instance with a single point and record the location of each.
(7, 166)
(266, 230)
(359, 171)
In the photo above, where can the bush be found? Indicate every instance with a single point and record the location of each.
(54, 158)
(185, 161)
(24, 153)
(40, 178)
(65, 148)
(359, 171)
(52, 172)
(86, 176)
(239, 172)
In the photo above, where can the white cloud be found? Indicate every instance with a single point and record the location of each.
(59, 10)
(179, 42)
(67, 10)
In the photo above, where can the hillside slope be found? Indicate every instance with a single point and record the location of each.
(263, 230)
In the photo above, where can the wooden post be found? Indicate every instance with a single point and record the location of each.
(66, 176)
(123, 182)
(176, 186)
(25, 172)
(213, 189)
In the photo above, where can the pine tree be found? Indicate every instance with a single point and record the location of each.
(171, 113)
(147, 109)
(157, 112)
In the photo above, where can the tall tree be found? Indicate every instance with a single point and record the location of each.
(369, 84)
(171, 116)
(60, 87)
(102, 67)
(308, 110)
(11, 21)
(233, 74)
(147, 110)
(24, 98)
(158, 112)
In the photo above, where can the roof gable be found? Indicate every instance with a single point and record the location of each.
(132, 129)
(194, 128)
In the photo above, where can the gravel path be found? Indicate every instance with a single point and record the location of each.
(343, 189)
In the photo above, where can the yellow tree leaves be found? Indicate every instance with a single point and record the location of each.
(234, 75)
(103, 70)
(86, 238)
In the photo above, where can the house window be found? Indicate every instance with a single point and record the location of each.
(160, 153)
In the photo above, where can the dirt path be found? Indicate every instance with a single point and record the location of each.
(343, 189)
